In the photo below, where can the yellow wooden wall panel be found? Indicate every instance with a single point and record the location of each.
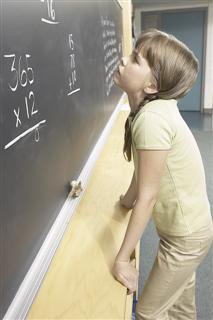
(126, 6)
(78, 283)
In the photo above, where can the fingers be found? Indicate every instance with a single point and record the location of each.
(129, 291)
(121, 197)
(132, 289)
(131, 283)
(124, 203)
(127, 275)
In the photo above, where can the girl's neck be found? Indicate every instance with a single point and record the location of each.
(134, 101)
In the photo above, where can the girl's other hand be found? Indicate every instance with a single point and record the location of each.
(126, 274)
(125, 203)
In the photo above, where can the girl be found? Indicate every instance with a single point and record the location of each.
(169, 179)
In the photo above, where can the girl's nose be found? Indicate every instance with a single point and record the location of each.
(124, 60)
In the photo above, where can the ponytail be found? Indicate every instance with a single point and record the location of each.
(128, 133)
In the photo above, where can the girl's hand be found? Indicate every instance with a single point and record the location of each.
(125, 203)
(126, 274)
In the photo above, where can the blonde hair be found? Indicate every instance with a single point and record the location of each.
(174, 69)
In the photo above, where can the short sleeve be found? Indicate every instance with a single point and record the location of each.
(152, 131)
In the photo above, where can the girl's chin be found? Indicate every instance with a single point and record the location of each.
(116, 79)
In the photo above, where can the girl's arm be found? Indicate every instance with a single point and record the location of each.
(151, 167)
(139, 218)
(130, 196)
(122, 269)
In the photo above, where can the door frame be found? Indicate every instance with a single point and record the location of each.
(202, 67)
(168, 8)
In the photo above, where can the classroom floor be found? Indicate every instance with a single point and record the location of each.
(200, 125)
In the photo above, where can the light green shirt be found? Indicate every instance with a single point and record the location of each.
(182, 205)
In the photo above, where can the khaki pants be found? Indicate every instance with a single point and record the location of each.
(169, 292)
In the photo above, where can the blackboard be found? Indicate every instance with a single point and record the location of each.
(57, 94)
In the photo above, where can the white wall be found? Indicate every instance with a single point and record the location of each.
(154, 5)
(208, 92)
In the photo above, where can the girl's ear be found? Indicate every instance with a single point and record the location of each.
(150, 89)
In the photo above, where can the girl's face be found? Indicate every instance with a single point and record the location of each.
(133, 74)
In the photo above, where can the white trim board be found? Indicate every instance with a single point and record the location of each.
(148, 6)
(28, 289)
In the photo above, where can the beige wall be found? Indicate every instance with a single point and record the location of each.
(127, 25)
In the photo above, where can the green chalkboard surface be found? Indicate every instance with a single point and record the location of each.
(56, 96)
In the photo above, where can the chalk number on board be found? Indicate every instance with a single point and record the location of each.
(23, 77)
(50, 12)
(72, 79)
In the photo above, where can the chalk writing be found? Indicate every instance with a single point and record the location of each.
(23, 77)
(111, 58)
(50, 12)
(72, 79)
